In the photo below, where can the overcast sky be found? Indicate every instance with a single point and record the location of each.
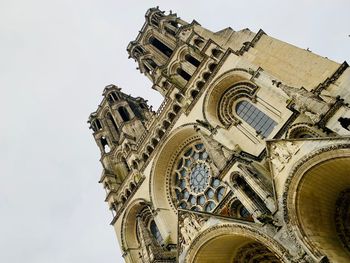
(55, 59)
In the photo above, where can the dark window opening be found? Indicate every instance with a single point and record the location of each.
(160, 133)
(154, 142)
(216, 53)
(194, 94)
(160, 46)
(114, 96)
(206, 75)
(345, 123)
(144, 157)
(149, 149)
(176, 108)
(212, 67)
(98, 124)
(183, 74)
(151, 63)
(166, 124)
(198, 42)
(200, 84)
(192, 60)
(124, 114)
(105, 145)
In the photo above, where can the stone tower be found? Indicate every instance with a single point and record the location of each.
(246, 160)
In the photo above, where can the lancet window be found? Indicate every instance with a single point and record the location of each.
(148, 221)
(124, 114)
(195, 62)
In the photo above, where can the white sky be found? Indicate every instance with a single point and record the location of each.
(55, 59)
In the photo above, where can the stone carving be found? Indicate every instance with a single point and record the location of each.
(189, 226)
(219, 154)
(208, 126)
(305, 102)
(281, 154)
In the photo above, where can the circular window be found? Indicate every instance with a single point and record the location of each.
(199, 177)
(194, 185)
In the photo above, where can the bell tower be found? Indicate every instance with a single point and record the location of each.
(118, 124)
(154, 47)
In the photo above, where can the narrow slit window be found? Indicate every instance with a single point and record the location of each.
(262, 123)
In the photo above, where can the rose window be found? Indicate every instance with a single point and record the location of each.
(199, 177)
(194, 185)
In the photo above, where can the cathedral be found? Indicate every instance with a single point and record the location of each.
(246, 160)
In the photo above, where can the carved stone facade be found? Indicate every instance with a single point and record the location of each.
(246, 160)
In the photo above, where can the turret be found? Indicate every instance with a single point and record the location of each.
(119, 116)
(155, 45)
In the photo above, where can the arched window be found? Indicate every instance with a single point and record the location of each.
(262, 123)
(237, 210)
(160, 46)
(155, 232)
(112, 97)
(124, 114)
(105, 145)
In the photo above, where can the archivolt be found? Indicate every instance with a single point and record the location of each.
(232, 83)
(225, 109)
(243, 234)
(310, 191)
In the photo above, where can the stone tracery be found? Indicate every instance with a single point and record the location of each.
(195, 187)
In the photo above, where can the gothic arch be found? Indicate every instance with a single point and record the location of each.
(129, 238)
(162, 166)
(303, 130)
(234, 243)
(223, 92)
(312, 192)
